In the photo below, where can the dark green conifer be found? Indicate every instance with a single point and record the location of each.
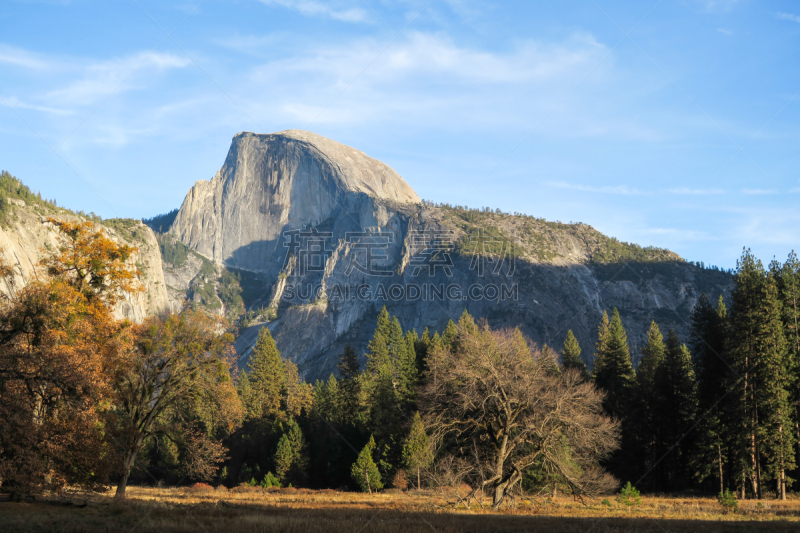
(365, 472)
(266, 377)
(708, 335)
(746, 310)
(571, 356)
(676, 390)
(646, 426)
(416, 449)
(774, 379)
(613, 370)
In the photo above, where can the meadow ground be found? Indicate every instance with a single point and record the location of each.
(300, 510)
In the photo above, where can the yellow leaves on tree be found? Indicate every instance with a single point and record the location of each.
(92, 263)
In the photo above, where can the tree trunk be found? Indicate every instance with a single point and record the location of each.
(127, 466)
(719, 455)
(419, 482)
(499, 494)
(758, 471)
(783, 484)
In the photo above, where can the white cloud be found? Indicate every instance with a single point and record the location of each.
(11, 55)
(99, 79)
(313, 8)
(718, 6)
(757, 192)
(690, 191)
(788, 16)
(623, 190)
(16, 103)
(724, 31)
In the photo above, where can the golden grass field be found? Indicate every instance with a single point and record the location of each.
(300, 510)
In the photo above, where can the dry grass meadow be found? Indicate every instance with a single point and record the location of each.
(290, 510)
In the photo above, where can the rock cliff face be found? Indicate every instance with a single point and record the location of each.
(325, 236)
(29, 235)
(270, 183)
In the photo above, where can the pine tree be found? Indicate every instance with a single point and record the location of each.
(676, 389)
(243, 388)
(571, 356)
(746, 308)
(708, 335)
(600, 346)
(613, 370)
(284, 456)
(266, 376)
(421, 347)
(775, 413)
(402, 361)
(549, 360)
(297, 470)
(365, 472)
(378, 351)
(788, 278)
(647, 430)
(449, 334)
(416, 449)
(349, 396)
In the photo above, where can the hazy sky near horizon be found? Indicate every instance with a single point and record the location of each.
(673, 123)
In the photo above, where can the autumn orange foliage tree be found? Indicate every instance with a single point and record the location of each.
(58, 344)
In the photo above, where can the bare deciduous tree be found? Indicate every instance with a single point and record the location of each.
(495, 402)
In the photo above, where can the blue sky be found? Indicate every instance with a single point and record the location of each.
(672, 123)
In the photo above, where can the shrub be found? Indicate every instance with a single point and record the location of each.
(629, 496)
(606, 502)
(270, 481)
(728, 501)
(400, 480)
(201, 486)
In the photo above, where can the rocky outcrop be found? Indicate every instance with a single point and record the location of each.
(271, 183)
(329, 236)
(29, 235)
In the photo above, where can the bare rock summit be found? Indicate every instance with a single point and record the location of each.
(273, 182)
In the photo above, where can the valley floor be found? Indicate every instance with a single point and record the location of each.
(300, 510)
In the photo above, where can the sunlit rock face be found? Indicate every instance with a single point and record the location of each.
(271, 183)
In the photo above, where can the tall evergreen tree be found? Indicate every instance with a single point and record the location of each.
(378, 350)
(746, 308)
(676, 386)
(613, 370)
(416, 448)
(571, 356)
(266, 377)
(708, 336)
(449, 334)
(614, 374)
(647, 427)
(283, 458)
(772, 373)
(349, 388)
(788, 279)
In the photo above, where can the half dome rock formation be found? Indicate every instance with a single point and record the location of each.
(277, 182)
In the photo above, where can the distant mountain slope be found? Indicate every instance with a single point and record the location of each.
(25, 234)
(302, 222)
